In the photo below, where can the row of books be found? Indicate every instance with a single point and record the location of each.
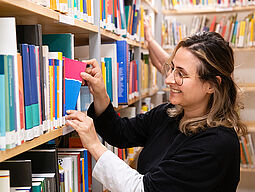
(36, 81)
(187, 4)
(124, 17)
(48, 169)
(119, 69)
(237, 33)
(247, 151)
(148, 75)
(78, 9)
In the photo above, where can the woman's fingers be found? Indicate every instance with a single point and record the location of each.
(73, 123)
(75, 115)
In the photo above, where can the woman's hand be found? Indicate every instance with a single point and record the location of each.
(147, 30)
(84, 125)
(93, 77)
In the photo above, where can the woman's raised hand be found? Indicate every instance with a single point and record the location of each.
(93, 77)
(147, 30)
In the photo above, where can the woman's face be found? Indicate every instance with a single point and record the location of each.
(193, 94)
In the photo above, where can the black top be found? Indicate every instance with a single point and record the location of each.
(170, 160)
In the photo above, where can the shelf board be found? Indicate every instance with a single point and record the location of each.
(109, 36)
(247, 170)
(201, 10)
(243, 49)
(4, 155)
(148, 3)
(250, 125)
(29, 13)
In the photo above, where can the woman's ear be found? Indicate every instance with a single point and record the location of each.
(211, 88)
(218, 79)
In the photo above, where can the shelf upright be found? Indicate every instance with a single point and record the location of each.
(94, 52)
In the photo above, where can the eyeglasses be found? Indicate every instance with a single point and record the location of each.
(178, 74)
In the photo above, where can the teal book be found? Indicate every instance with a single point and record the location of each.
(60, 43)
(2, 105)
(10, 112)
(36, 187)
(108, 66)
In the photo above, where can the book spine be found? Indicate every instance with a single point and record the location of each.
(2, 105)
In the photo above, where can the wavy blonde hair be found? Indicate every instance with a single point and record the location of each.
(216, 57)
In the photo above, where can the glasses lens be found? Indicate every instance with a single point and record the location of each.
(178, 77)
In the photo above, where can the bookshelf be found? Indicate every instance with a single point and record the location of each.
(195, 10)
(29, 13)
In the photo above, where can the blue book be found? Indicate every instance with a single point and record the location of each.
(34, 99)
(108, 66)
(85, 10)
(2, 105)
(27, 92)
(122, 59)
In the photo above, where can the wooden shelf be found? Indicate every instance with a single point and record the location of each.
(148, 3)
(244, 49)
(4, 155)
(250, 125)
(27, 13)
(247, 170)
(108, 36)
(194, 10)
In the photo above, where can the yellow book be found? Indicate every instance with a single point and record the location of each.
(142, 24)
(81, 10)
(103, 71)
(63, 6)
(251, 31)
(53, 4)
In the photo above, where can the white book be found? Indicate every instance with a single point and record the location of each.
(8, 46)
(66, 163)
(5, 180)
(46, 84)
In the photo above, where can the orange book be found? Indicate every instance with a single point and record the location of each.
(21, 100)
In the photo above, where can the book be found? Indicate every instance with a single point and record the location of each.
(32, 34)
(2, 105)
(16, 167)
(60, 43)
(73, 82)
(43, 161)
(27, 92)
(8, 46)
(21, 134)
(5, 180)
(76, 168)
(50, 181)
(34, 91)
(122, 60)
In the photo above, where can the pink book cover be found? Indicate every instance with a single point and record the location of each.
(73, 69)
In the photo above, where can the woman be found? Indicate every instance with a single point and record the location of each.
(190, 144)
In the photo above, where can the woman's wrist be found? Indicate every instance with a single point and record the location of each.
(97, 150)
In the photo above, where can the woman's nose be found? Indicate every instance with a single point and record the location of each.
(170, 79)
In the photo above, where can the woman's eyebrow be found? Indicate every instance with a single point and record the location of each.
(177, 66)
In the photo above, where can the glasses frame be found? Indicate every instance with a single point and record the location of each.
(176, 72)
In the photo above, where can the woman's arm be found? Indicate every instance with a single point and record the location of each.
(157, 54)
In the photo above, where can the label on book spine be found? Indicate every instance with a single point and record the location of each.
(66, 19)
